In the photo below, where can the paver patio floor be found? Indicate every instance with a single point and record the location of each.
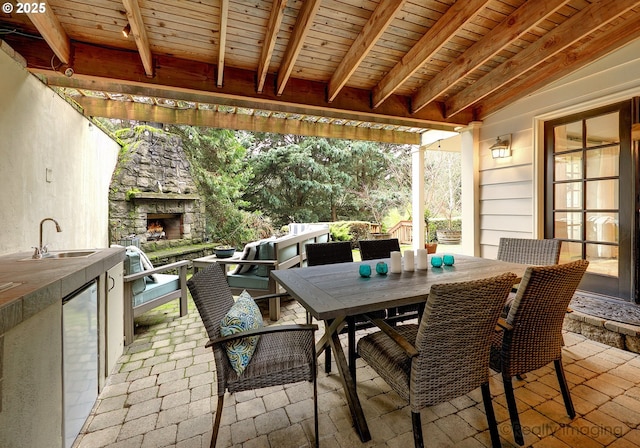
(162, 393)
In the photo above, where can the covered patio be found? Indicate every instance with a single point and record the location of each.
(397, 71)
(400, 71)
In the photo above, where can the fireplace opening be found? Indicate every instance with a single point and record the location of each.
(164, 226)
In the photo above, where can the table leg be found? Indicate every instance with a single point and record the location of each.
(349, 386)
(351, 341)
(331, 326)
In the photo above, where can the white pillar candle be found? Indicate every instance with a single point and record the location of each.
(409, 261)
(396, 262)
(422, 259)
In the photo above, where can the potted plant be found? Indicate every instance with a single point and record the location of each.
(449, 235)
(431, 243)
(224, 251)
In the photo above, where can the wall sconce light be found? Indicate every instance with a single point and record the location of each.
(126, 30)
(502, 147)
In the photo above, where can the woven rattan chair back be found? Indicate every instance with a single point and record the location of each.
(529, 251)
(537, 315)
(453, 339)
(328, 253)
(446, 355)
(213, 299)
(533, 334)
(374, 249)
(284, 354)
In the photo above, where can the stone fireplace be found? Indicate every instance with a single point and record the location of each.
(153, 196)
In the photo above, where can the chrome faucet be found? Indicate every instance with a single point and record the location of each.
(42, 251)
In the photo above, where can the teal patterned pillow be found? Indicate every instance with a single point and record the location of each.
(244, 315)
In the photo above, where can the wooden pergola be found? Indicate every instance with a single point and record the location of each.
(385, 70)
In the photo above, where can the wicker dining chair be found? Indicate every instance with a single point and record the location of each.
(284, 353)
(529, 251)
(531, 335)
(330, 253)
(447, 354)
(373, 249)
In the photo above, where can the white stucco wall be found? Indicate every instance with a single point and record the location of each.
(40, 131)
(510, 189)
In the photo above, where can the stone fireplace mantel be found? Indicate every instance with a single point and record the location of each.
(165, 196)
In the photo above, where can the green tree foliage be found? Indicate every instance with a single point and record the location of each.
(307, 179)
(218, 164)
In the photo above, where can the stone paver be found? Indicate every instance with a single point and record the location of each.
(163, 393)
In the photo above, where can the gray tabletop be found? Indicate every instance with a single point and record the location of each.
(337, 290)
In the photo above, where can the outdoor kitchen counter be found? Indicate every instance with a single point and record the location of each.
(40, 283)
(32, 411)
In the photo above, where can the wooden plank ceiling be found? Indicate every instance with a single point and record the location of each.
(382, 70)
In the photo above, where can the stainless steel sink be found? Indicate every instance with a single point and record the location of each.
(72, 254)
(64, 255)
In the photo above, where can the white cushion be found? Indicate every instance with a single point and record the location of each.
(249, 253)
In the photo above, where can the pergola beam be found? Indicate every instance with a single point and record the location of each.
(569, 32)
(380, 19)
(139, 34)
(433, 40)
(113, 70)
(273, 26)
(52, 31)
(128, 110)
(307, 13)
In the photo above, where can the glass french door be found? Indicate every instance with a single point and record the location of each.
(589, 197)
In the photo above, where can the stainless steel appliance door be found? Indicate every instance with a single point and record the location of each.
(79, 358)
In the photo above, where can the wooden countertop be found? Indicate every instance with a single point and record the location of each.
(43, 282)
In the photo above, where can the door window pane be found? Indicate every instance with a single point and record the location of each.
(602, 227)
(568, 225)
(603, 259)
(603, 162)
(602, 194)
(568, 136)
(568, 166)
(568, 196)
(602, 130)
(570, 252)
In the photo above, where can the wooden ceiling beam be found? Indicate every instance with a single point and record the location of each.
(380, 19)
(273, 26)
(507, 31)
(224, 17)
(113, 70)
(139, 34)
(127, 110)
(307, 13)
(433, 40)
(561, 65)
(569, 32)
(52, 31)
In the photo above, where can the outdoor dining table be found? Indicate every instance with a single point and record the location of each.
(334, 293)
